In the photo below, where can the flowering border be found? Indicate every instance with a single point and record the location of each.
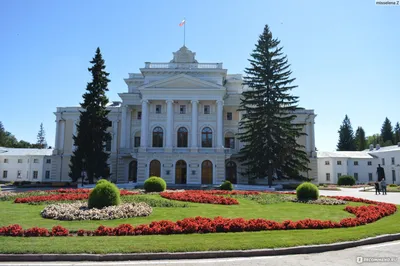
(364, 215)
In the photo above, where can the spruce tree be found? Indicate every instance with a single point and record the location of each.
(346, 136)
(361, 143)
(91, 131)
(397, 133)
(41, 138)
(266, 128)
(387, 133)
(3, 136)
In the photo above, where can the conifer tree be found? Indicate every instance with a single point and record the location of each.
(346, 136)
(361, 142)
(397, 133)
(41, 138)
(387, 133)
(91, 138)
(268, 107)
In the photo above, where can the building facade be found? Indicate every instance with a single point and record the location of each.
(389, 159)
(177, 120)
(33, 165)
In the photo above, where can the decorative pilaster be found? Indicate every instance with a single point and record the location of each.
(170, 124)
(308, 137)
(220, 125)
(62, 134)
(128, 127)
(57, 138)
(123, 127)
(145, 125)
(194, 125)
(114, 136)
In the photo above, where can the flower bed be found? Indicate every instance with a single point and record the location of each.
(80, 211)
(322, 201)
(198, 196)
(363, 215)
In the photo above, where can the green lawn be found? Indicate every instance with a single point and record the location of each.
(29, 216)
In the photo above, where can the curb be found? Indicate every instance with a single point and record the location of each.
(200, 254)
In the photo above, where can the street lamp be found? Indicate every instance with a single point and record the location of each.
(83, 170)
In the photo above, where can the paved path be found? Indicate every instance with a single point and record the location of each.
(393, 197)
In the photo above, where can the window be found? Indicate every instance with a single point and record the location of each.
(393, 176)
(19, 160)
(47, 176)
(158, 109)
(355, 162)
(19, 174)
(182, 137)
(5, 160)
(206, 137)
(339, 162)
(5, 174)
(108, 144)
(339, 175)
(369, 176)
(35, 160)
(48, 161)
(393, 162)
(182, 109)
(35, 174)
(356, 176)
(229, 116)
(369, 163)
(158, 137)
(137, 142)
(328, 177)
(383, 161)
(206, 109)
(327, 163)
(139, 115)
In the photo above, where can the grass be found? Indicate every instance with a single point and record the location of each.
(29, 216)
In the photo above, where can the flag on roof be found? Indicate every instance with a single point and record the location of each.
(182, 23)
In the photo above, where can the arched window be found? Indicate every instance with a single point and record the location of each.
(182, 137)
(206, 137)
(158, 137)
(206, 172)
(155, 168)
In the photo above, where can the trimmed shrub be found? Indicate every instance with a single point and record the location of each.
(346, 180)
(392, 185)
(227, 185)
(155, 184)
(307, 191)
(103, 195)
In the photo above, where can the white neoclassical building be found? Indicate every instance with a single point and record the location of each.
(177, 120)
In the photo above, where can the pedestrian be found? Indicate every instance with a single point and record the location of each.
(383, 185)
(377, 188)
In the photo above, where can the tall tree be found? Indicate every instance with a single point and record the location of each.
(387, 133)
(361, 142)
(90, 155)
(41, 138)
(374, 139)
(267, 127)
(346, 136)
(2, 135)
(397, 133)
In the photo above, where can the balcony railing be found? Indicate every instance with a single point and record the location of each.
(184, 65)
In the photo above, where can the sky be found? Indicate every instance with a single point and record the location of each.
(344, 54)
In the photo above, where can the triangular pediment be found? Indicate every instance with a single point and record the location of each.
(182, 81)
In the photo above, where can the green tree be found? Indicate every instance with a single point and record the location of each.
(397, 133)
(361, 142)
(90, 155)
(267, 127)
(2, 135)
(346, 136)
(41, 138)
(387, 133)
(374, 139)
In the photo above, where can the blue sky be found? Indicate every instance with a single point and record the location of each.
(344, 54)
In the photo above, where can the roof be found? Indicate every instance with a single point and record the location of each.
(25, 152)
(345, 154)
(385, 149)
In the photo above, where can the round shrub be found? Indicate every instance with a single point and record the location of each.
(307, 191)
(346, 180)
(103, 195)
(155, 184)
(227, 185)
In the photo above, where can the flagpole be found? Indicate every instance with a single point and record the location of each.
(184, 31)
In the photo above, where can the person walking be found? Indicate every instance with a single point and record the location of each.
(377, 190)
(383, 185)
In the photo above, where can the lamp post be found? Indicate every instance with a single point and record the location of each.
(83, 170)
(270, 173)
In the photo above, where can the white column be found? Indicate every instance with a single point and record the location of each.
(57, 141)
(62, 134)
(194, 122)
(170, 123)
(114, 136)
(308, 137)
(123, 127)
(144, 126)
(128, 127)
(220, 125)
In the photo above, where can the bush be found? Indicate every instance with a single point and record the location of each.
(227, 185)
(346, 180)
(392, 185)
(103, 195)
(154, 184)
(307, 191)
